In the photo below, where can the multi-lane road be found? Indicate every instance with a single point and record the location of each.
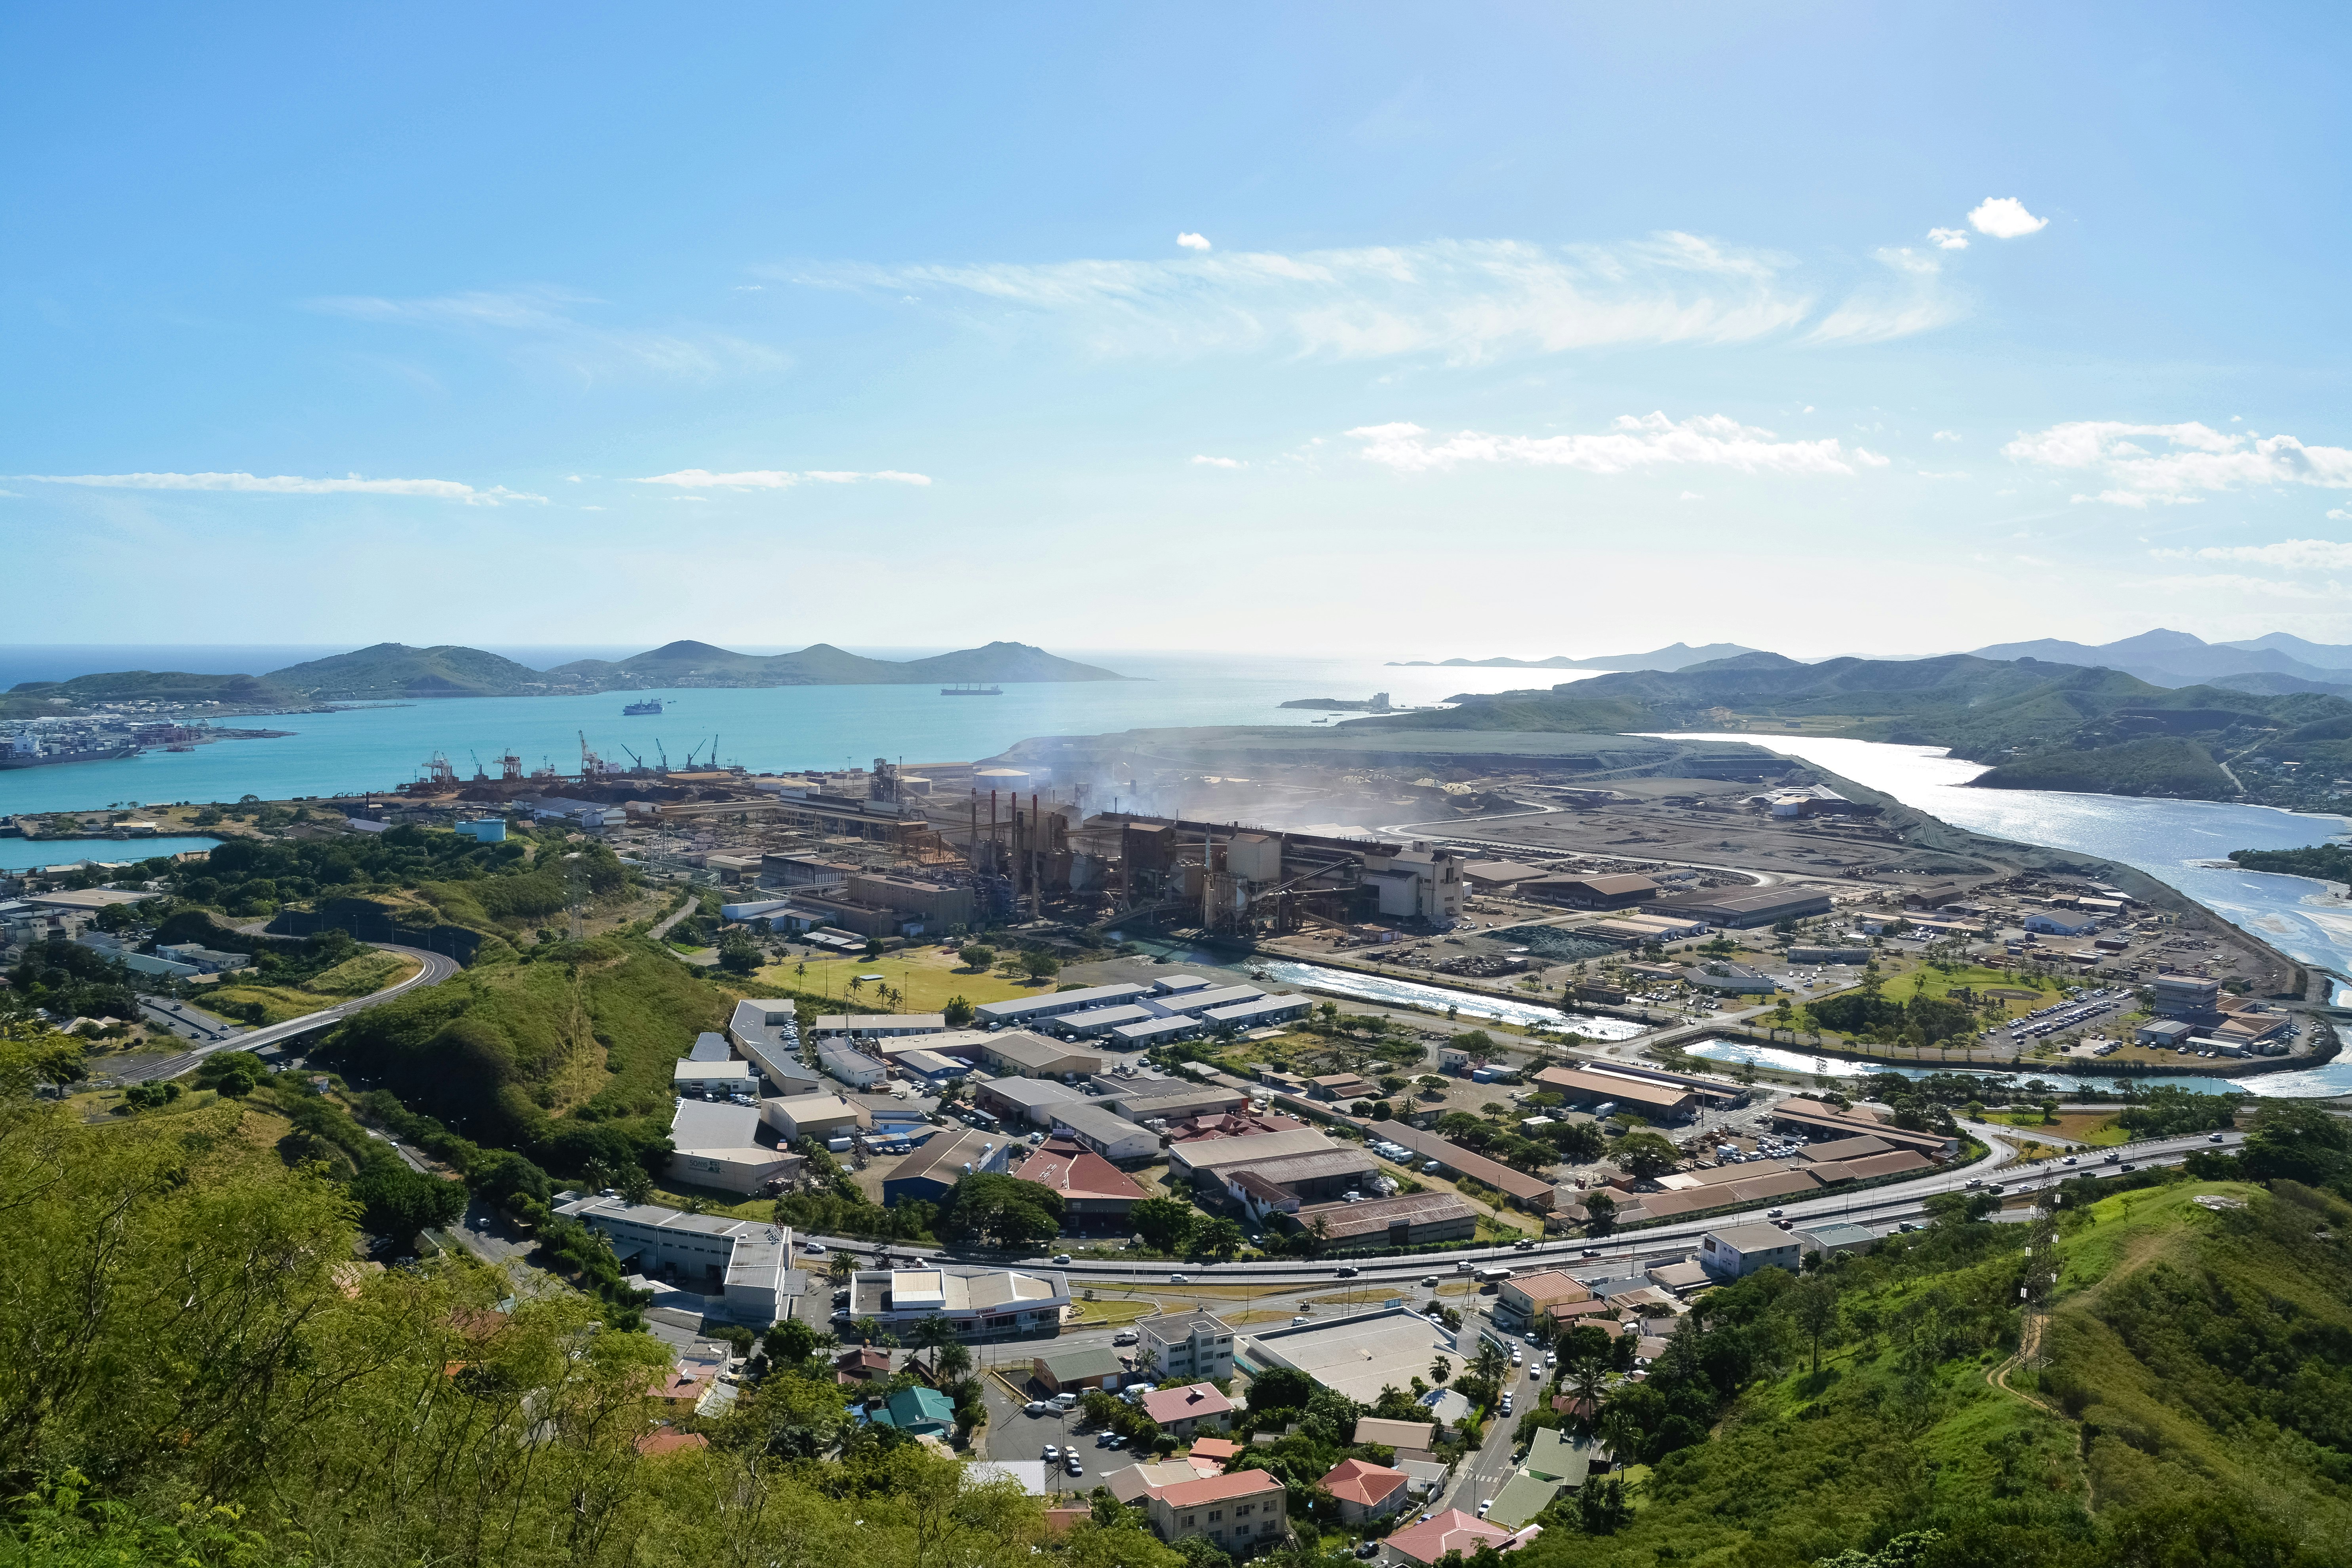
(435, 968)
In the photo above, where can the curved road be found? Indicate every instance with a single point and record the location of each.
(435, 969)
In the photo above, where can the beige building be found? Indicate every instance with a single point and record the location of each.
(1533, 1296)
(1241, 1514)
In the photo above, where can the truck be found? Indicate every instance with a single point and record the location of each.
(1492, 1276)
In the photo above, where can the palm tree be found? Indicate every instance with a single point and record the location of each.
(1489, 1364)
(1439, 1369)
(1587, 1381)
(1621, 1433)
(841, 1268)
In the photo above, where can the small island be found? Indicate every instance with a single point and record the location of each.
(1378, 702)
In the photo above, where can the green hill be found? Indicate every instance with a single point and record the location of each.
(151, 686)
(390, 669)
(2046, 726)
(822, 664)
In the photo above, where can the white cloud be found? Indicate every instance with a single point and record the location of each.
(2198, 458)
(571, 479)
(13, 495)
(2295, 554)
(1218, 462)
(1947, 434)
(1926, 474)
(290, 485)
(2005, 218)
(775, 478)
(1690, 495)
(2337, 514)
(546, 325)
(1464, 300)
(1193, 241)
(1630, 443)
(1913, 300)
(1948, 238)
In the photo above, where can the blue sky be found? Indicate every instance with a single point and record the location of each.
(1498, 330)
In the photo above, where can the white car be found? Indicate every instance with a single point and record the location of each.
(813, 1248)
(1037, 1408)
(1484, 1504)
(1052, 1452)
(1061, 1261)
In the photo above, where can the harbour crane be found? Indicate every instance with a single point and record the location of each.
(481, 776)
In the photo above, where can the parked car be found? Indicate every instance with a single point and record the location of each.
(813, 1248)
(1075, 1468)
(1124, 1337)
(1484, 1504)
(1368, 1550)
(1036, 1407)
(1052, 1452)
(1429, 1282)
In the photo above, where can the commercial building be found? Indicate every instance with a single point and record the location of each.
(1500, 876)
(1157, 1032)
(717, 1145)
(2058, 923)
(1817, 1120)
(1081, 1368)
(1730, 979)
(1186, 1410)
(1108, 1134)
(977, 1302)
(1026, 1055)
(877, 1025)
(1241, 1514)
(2165, 1032)
(1621, 891)
(1365, 1491)
(1178, 984)
(2184, 996)
(853, 1068)
(745, 1266)
(817, 1116)
(1520, 1302)
(1097, 1021)
(1096, 1195)
(1356, 1356)
(1142, 1098)
(1533, 1193)
(1829, 955)
(1197, 1345)
(1582, 1087)
(1736, 910)
(1416, 1219)
(1834, 1237)
(930, 1067)
(1032, 1100)
(1404, 1436)
(931, 1172)
(209, 961)
(1258, 1015)
(766, 1030)
(1200, 1000)
(1197, 1153)
(1054, 1004)
(1742, 1250)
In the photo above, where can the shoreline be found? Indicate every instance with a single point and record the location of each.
(2238, 1067)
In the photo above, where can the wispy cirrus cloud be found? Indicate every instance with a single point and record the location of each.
(1202, 460)
(289, 485)
(1630, 443)
(2189, 460)
(1909, 298)
(1461, 300)
(552, 326)
(2294, 554)
(776, 478)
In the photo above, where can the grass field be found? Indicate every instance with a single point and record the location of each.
(928, 976)
(2096, 1127)
(1109, 1314)
(360, 976)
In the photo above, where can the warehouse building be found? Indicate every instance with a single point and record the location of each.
(1031, 1009)
(1022, 1054)
(1417, 1219)
(931, 1172)
(766, 1030)
(745, 1265)
(1737, 910)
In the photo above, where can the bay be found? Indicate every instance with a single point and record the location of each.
(17, 854)
(766, 729)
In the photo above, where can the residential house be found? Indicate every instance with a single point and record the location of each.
(1240, 1513)
(1095, 1195)
(1078, 1369)
(1182, 1411)
(1430, 1540)
(1365, 1492)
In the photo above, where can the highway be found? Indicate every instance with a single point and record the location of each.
(435, 969)
(1881, 1208)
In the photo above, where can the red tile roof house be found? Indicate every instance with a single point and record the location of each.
(1240, 1514)
(665, 1440)
(1217, 1450)
(1182, 1411)
(1095, 1195)
(1453, 1531)
(1365, 1491)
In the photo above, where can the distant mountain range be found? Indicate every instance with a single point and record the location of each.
(2277, 663)
(395, 671)
(1680, 656)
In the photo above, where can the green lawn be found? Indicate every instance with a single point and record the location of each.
(928, 976)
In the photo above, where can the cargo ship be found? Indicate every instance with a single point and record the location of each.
(650, 706)
(23, 751)
(971, 689)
